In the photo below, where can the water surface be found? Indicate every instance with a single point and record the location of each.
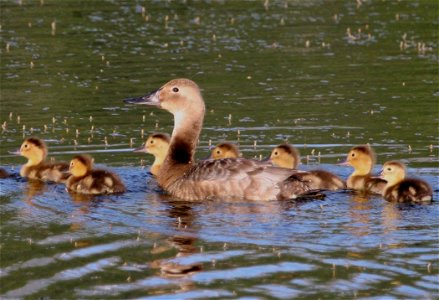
(322, 75)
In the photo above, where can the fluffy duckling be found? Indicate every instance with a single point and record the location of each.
(362, 159)
(286, 156)
(403, 189)
(35, 150)
(86, 180)
(225, 150)
(156, 144)
(230, 178)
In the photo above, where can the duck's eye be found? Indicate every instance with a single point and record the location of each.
(389, 169)
(218, 152)
(353, 154)
(25, 145)
(275, 153)
(152, 142)
(175, 90)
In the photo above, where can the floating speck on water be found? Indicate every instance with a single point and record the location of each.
(53, 26)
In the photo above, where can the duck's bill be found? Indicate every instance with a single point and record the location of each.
(150, 99)
(140, 149)
(343, 163)
(16, 152)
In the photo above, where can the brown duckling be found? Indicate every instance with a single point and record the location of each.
(286, 156)
(35, 150)
(86, 180)
(403, 189)
(229, 178)
(362, 159)
(225, 150)
(156, 144)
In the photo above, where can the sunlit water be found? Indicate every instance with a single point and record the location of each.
(288, 71)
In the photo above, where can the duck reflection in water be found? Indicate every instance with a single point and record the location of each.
(182, 216)
(360, 208)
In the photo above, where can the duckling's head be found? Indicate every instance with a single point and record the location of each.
(80, 165)
(176, 96)
(156, 144)
(361, 158)
(34, 149)
(285, 156)
(225, 150)
(393, 172)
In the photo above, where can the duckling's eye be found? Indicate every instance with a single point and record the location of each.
(152, 142)
(175, 90)
(275, 153)
(389, 169)
(218, 152)
(25, 145)
(353, 154)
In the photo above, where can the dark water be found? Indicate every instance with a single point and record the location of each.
(284, 71)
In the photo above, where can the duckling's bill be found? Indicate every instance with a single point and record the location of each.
(140, 149)
(149, 99)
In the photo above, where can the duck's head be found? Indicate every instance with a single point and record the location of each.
(80, 165)
(225, 150)
(34, 149)
(178, 95)
(361, 158)
(285, 156)
(393, 172)
(156, 144)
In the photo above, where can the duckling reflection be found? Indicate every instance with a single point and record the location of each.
(183, 216)
(360, 213)
(34, 188)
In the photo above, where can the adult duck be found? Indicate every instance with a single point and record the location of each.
(231, 178)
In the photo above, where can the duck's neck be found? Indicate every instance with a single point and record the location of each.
(34, 160)
(363, 170)
(181, 153)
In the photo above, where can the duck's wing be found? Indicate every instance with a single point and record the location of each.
(234, 178)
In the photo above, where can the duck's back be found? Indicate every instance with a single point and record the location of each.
(97, 182)
(409, 190)
(233, 178)
(366, 183)
(56, 172)
(324, 180)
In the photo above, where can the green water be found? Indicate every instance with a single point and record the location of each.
(288, 71)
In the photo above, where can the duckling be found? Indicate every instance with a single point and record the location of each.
(286, 156)
(229, 178)
(156, 144)
(225, 150)
(403, 189)
(35, 150)
(86, 180)
(362, 159)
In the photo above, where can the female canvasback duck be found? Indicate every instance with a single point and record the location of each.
(362, 159)
(230, 178)
(225, 150)
(403, 189)
(286, 156)
(35, 150)
(86, 180)
(156, 144)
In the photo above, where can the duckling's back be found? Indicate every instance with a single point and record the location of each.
(409, 190)
(97, 182)
(56, 172)
(367, 183)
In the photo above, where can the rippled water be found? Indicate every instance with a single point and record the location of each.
(288, 70)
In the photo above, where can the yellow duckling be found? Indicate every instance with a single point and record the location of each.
(362, 159)
(286, 156)
(35, 150)
(156, 144)
(403, 189)
(85, 180)
(225, 150)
